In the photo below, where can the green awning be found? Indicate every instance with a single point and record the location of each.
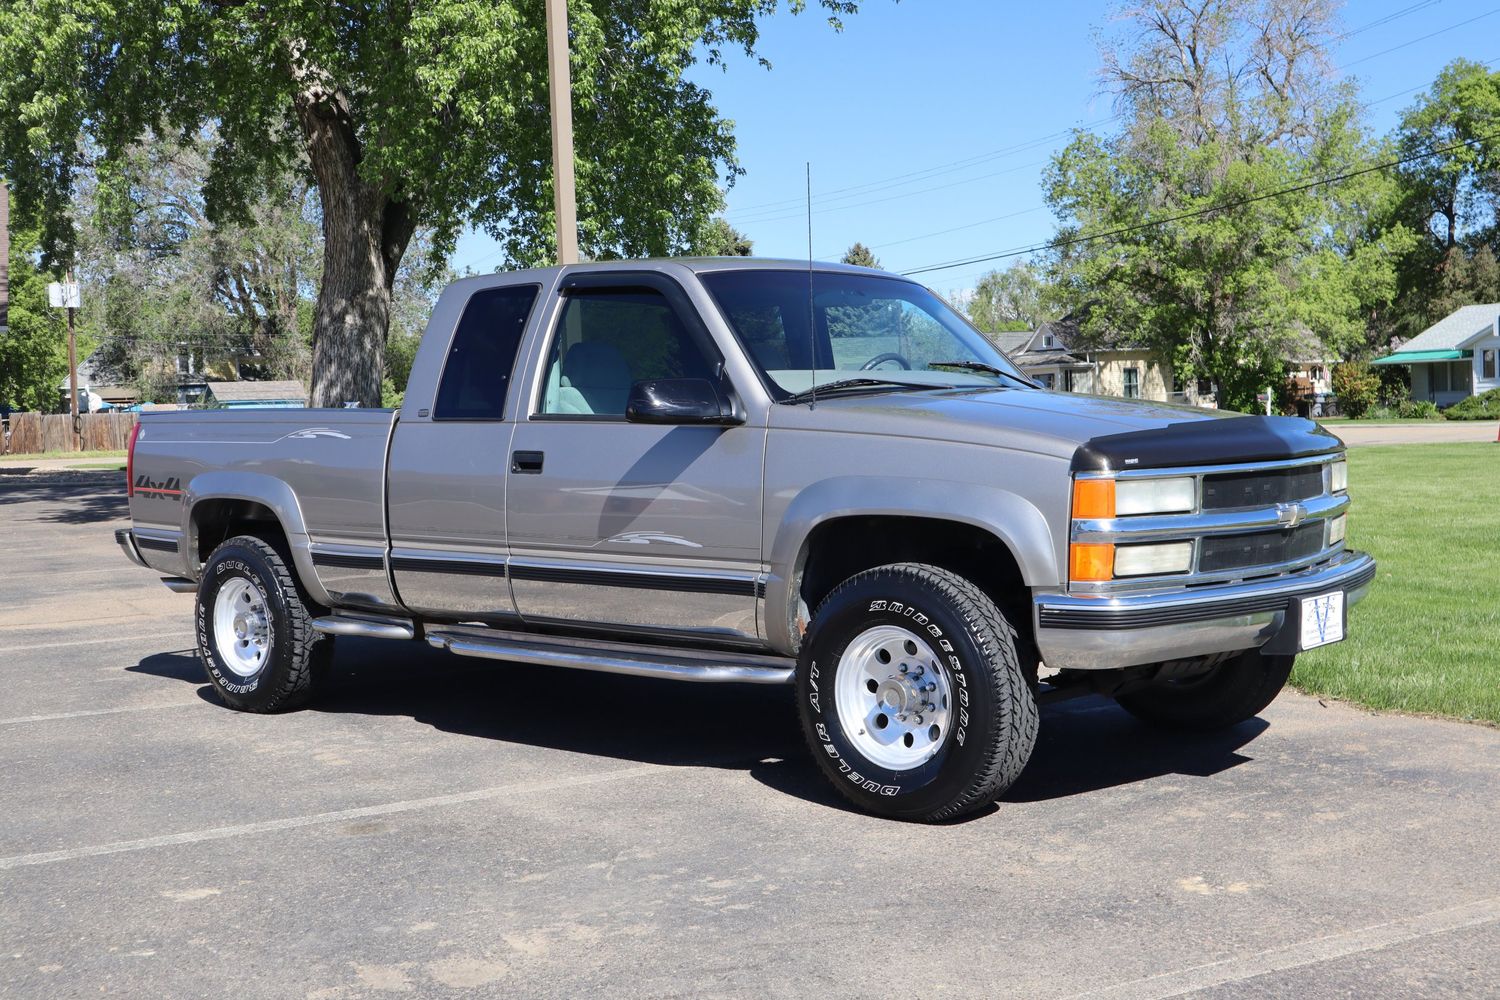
(1417, 357)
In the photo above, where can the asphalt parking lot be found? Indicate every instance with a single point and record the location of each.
(436, 826)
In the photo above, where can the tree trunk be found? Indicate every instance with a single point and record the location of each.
(365, 233)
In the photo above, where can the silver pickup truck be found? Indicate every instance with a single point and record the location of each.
(754, 471)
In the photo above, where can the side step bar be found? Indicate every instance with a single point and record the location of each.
(615, 658)
(370, 628)
(179, 584)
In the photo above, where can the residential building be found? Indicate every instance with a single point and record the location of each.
(1455, 357)
(1054, 355)
(247, 395)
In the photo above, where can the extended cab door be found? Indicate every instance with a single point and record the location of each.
(449, 454)
(630, 525)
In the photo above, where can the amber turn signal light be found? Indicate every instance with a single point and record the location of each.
(1093, 498)
(1088, 562)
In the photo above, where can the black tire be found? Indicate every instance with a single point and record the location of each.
(993, 723)
(1236, 690)
(295, 653)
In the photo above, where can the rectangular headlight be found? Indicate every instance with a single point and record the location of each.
(1155, 496)
(1153, 560)
(1339, 476)
(1337, 526)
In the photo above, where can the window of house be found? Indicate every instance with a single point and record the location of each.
(1205, 387)
(1046, 380)
(1438, 375)
(477, 373)
(609, 339)
(1049, 341)
(1487, 360)
(1132, 383)
(1463, 374)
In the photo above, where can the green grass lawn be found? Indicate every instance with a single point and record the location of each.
(1426, 638)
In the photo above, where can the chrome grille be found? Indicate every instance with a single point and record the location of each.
(1262, 488)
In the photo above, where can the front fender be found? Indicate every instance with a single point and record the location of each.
(1008, 516)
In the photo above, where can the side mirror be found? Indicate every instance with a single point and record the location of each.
(680, 401)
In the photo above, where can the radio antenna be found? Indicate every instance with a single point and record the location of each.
(812, 333)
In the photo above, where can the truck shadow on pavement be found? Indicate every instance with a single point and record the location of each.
(1084, 746)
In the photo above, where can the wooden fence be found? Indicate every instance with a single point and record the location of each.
(31, 433)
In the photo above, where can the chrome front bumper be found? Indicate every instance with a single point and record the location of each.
(1102, 633)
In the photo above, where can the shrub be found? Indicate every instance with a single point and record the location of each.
(1485, 406)
(1356, 386)
(1418, 409)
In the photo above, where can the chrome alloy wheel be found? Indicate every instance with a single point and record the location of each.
(893, 697)
(242, 626)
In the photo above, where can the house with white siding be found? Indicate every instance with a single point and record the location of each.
(1454, 358)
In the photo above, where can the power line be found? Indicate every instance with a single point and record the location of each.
(1208, 210)
(1423, 38)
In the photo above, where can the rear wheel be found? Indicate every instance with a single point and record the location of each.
(255, 633)
(912, 695)
(1235, 690)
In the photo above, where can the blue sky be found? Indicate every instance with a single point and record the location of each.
(928, 124)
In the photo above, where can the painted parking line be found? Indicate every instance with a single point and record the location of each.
(338, 816)
(183, 637)
(1301, 953)
(86, 713)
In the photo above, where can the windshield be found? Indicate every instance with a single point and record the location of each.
(854, 323)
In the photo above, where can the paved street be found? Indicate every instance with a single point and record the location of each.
(435, 826)
(1432, 431)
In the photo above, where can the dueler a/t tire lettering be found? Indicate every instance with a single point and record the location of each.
(295, 651)
(993, 716)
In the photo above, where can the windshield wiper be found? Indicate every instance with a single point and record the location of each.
(980, 366)
(808, 395)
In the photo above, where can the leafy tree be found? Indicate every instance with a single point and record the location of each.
(1451, 198)
(717, 238)
(1179, 232)
(34, 347)
(860, 256)
(426, 114)
(1356, 386)
(1011, 299)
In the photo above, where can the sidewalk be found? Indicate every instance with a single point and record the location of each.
(85, 460)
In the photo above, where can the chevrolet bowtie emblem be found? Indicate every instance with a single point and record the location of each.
(1289, 515)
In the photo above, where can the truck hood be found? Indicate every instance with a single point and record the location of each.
(1097, 433)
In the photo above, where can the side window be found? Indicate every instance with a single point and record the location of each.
(477, 373)
(1488, 358)
(1132, 383)
(607, 340)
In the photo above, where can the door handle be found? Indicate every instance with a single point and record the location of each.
(526, 463)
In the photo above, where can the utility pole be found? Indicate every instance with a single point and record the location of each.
(560, 84)
(64, 295)
(73, 363)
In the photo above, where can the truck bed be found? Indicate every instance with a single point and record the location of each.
(328, 466)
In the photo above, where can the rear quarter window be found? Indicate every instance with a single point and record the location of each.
(482, 357)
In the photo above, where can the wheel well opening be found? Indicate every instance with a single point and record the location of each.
(215, 521)
(836, 550)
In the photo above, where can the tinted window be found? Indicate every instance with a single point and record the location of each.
(606, 340)
(477, 373)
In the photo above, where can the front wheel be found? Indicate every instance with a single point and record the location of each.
(912, 694)
(1236, 690)
(255, 634)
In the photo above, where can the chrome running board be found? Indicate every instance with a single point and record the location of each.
(370, 628)
(664, 662)
(179, 584)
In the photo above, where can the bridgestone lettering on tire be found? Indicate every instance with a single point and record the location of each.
(255, 634)
(883, 650)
